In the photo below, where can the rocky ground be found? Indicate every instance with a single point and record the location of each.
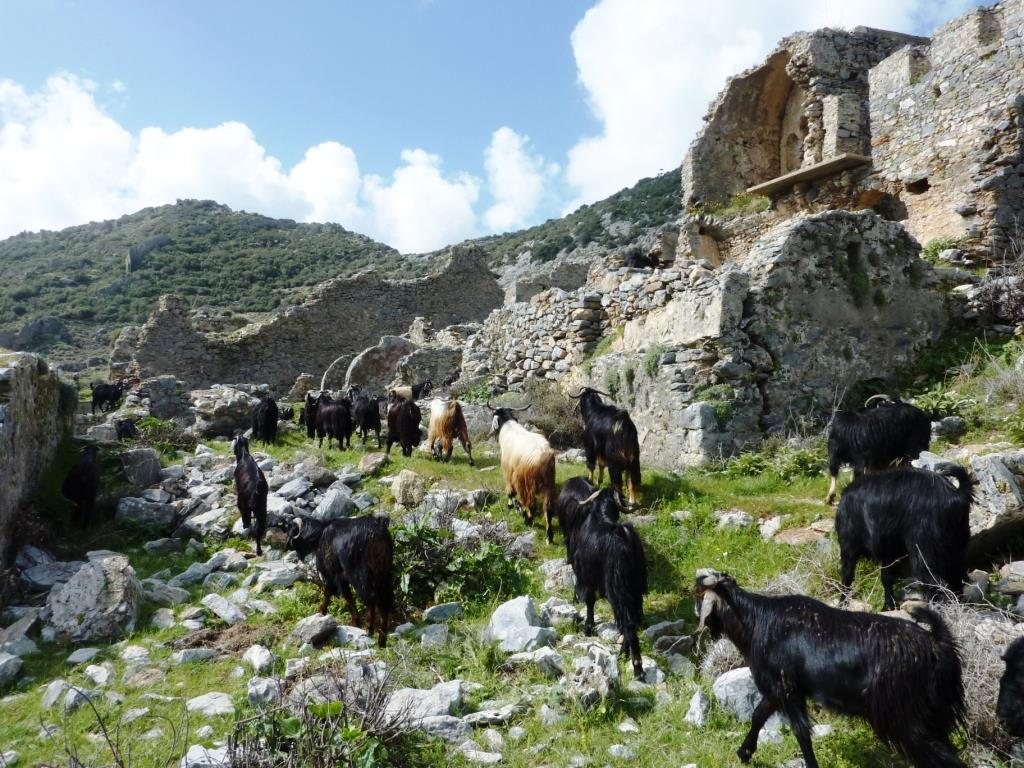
(160, 633)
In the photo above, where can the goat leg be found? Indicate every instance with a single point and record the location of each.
(848, 568)
(796, 710)
(350, 601)
(325, 602)
(588, 626)
(888, 582)
(762, 712)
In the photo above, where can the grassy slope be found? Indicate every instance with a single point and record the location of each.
(675, 551)
(202, 250)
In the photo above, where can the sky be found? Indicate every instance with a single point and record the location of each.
(417, 122)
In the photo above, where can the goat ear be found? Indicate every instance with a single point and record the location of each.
(708, 604)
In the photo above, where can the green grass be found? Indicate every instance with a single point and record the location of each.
(742, 204)
(782, 481)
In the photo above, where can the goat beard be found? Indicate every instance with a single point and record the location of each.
(709, 602)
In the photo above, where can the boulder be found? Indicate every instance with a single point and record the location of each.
(224, 609)
(294, 488)
(736, 692)
(10, 666)
(192, 655)
(412, 705)
(998, 510)
(697, 713)
(437, 614)
(16, 638)
(221, 411)
(314, 630)
(143, 512)
(259, 658)
(515, 626)
(100, 602)
(409, 489)
(372, 463)
(335, 504)
(211, 704)
(142, 467)
(199, 756)
(265, 692)
(42, 577)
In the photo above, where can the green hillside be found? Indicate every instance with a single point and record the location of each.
(245, 262)
(650, 203)
(197, 248)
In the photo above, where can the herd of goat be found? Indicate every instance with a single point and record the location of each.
(903, 677)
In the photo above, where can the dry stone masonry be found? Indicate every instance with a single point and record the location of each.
(340, 315)
(33, 419)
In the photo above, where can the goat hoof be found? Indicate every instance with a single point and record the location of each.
(744, 755)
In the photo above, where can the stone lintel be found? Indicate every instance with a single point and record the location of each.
(828, 167)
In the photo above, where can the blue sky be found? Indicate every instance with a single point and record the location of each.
(419, 122)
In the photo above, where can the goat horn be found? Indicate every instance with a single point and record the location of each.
(579, 394)
(489, 406)
(591, 497)
(298, 524)
(603, 394)
(521, 408)
(877, 397)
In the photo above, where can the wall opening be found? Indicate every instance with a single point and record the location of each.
(918, 186)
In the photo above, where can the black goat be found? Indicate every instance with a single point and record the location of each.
(351, 552)
(575, 491)
(404, 419)
(251, 489)
(82, 483)
(325, 416)
(126, 429)
(637, 260)
(1010, 706)
(905, 680)
(264, 420)
(608, 560)
(451, 378)
(107, 396)
(610, 440)
(912, 513)
(366, 414)
(876, 437)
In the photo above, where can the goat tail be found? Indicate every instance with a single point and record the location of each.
(965, 484)
(626, 576)
(947, 661)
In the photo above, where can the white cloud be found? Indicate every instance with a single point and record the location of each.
(515, 178)
(650, 67)
(65, 161)
(420, 208)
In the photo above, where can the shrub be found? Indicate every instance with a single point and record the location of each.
(652, 359)
(166, 436)
(437, 567)
(553, 414)
(934, 247)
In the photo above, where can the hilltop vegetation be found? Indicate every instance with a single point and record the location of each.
(202, 250)
(613, 222)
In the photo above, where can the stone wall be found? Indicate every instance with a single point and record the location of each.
(32, 423)
(807, 103)
(341, 316)
(948, 128)
(710, 360)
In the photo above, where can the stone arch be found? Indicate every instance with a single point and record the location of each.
(793, 130)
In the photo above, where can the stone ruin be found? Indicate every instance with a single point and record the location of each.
(343, 314)
(854, 147)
